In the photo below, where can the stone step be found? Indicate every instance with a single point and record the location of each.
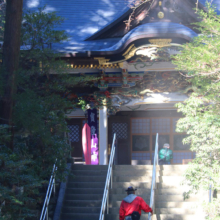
(163, 179)
(85, 185)
(139, 191)
(175, 198)
(160, 217)
(138, 185)
(71, 210)
(116, 216)
(169, 185)
(132, 168)
(85, 190)
(170, 172)
(177, 217)
(163, 204)
(87, 178)
(139, 172)
(89, 172)
(169, 191)
(180, 192)
(167, 204)
(132, 178)
(173, 167)
(148, 172)
(119, 197)
(115, 211)
(79, 216)
(79, 162)
(82, 203)
(69, 196)
(178, 211)
(89, 167)
(150, 167)
(117, 203)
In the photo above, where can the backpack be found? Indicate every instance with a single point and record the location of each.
(135, 215)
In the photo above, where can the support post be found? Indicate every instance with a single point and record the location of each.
(103, 136)
(54, 187)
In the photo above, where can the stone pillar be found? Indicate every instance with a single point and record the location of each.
(103, 136)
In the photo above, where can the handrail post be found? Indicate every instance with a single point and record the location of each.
(54, 187)
(108, 182)
(51, 188)
(47, 213)
(210, 193)
(210, 186)
(108, 203)
(111, 177)
(153, 182)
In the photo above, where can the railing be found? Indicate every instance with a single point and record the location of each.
(153, 183)
(51, 186)
(210, 186)
(107, 183)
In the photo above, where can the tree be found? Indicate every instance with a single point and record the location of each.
(2, 19)
(11, 51)
(199, 61)
(38, 116)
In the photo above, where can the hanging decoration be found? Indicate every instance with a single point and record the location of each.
(92, 121)
(86, 143)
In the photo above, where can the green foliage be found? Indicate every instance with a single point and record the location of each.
(213, 209)
(39, 117)
(200, 62)
(19, 185)
(2, 19)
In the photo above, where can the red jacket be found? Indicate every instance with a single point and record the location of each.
(129, 204)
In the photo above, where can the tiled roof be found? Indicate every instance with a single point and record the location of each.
(83, 18)
(157, 29)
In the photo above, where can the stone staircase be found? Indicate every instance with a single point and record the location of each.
(170, 203)
(138, 176)
(84, 192)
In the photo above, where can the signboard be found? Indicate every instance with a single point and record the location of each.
(92, 121)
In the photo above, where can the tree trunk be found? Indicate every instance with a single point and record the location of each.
(11, 49)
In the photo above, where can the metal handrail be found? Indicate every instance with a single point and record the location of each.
(153, 183)
(210, 187)
(107, 182)
(51, 186)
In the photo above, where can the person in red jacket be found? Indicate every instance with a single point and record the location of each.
(132, 205)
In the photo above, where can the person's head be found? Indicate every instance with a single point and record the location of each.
(130, 190)
(166, 145)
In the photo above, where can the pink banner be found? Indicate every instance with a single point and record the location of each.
(86, 143)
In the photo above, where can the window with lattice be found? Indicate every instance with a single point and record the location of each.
(74, 133)
(140, 126)
(121, 130)
(160, 125)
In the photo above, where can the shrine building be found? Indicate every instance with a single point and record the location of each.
(129, 51)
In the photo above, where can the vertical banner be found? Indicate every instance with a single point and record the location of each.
(92, 121)
(86, 143)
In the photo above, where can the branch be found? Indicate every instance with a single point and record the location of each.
(128, 22)
(186, 75)
(203, 74)
(211, 73)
